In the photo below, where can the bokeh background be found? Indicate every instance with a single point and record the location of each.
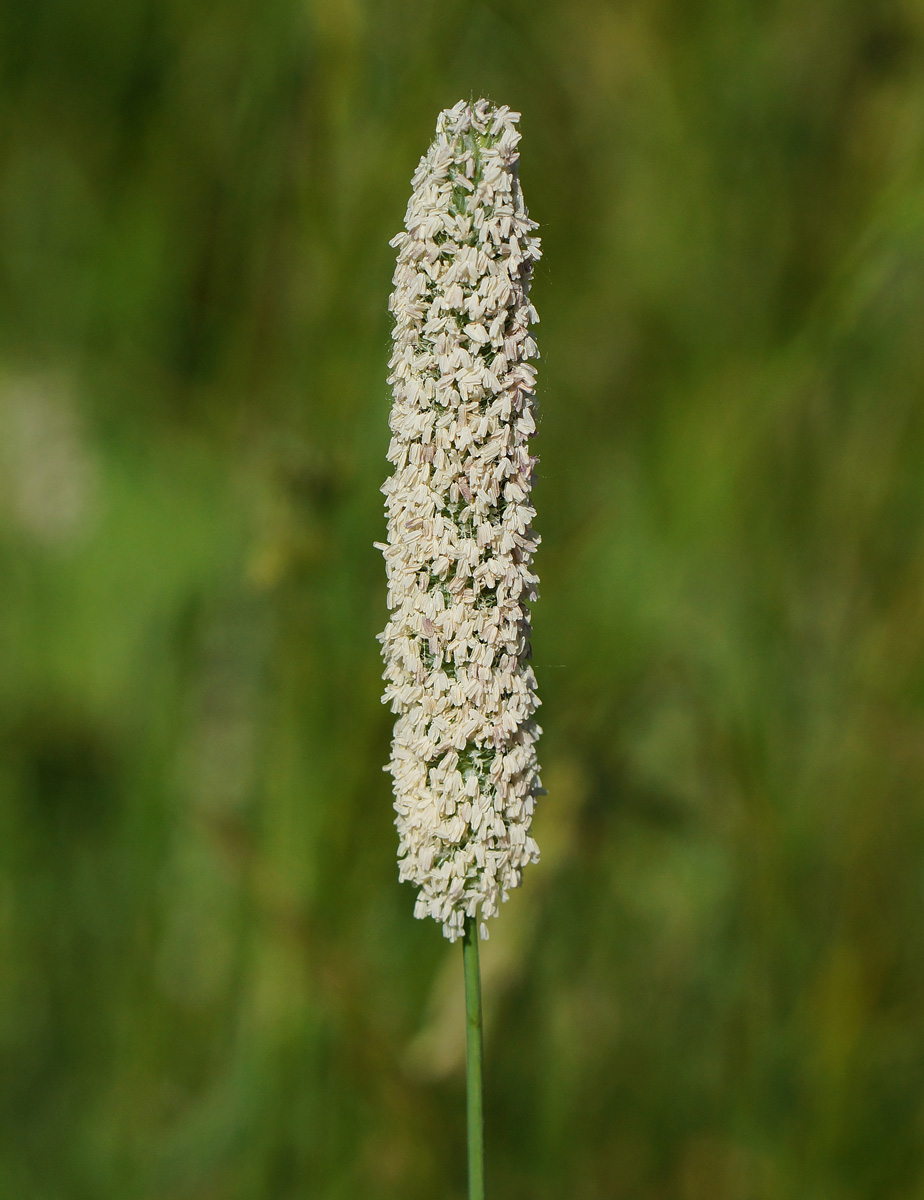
(211, 984)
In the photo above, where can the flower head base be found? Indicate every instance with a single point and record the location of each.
(460, 544)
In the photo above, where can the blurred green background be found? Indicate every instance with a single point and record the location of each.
(211, 984)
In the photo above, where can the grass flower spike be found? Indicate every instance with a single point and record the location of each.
(460, 543)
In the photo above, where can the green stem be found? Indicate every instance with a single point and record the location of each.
(474, 1043)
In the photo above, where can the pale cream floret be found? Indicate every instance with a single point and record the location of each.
(459, 535)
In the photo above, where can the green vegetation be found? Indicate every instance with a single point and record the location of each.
(211, 983)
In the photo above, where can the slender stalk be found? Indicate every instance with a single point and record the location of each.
(474, 1043)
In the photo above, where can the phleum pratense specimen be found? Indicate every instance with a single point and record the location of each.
(460, 543)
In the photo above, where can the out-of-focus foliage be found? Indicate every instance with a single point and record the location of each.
(712, 987)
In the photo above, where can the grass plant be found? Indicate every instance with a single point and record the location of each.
(711, 986)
